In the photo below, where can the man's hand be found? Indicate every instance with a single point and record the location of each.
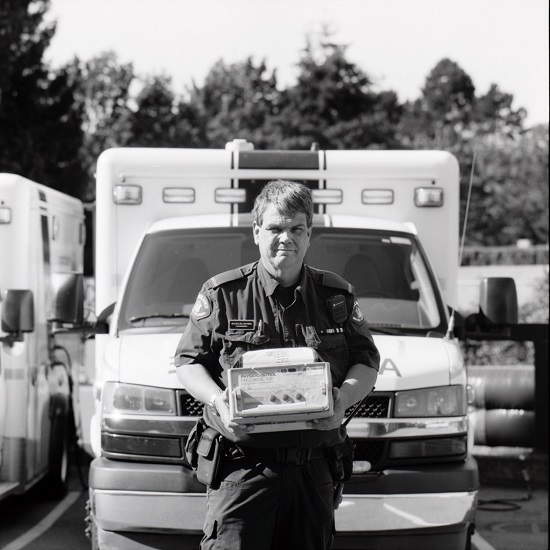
(222, 406)
(338, 416)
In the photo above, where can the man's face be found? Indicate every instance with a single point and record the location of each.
(283, 242)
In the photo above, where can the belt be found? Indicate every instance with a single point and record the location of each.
(283, 455)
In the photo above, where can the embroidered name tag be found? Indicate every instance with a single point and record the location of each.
(241, 324)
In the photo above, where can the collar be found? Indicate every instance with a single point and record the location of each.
(270, 284)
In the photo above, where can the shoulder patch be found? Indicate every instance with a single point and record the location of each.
(202, 307)
(357, 315)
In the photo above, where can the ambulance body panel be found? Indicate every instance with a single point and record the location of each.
(41, 239)
(413, 474)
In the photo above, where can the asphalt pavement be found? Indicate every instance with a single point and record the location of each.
(512, 518)
(512, 515)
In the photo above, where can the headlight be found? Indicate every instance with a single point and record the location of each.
(430, 402)
(133, 399)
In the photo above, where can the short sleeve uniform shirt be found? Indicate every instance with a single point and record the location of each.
(246, 309)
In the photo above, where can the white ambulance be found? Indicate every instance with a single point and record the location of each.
(41, 265)
(388, 221)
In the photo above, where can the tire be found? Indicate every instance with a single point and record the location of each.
(56, 483)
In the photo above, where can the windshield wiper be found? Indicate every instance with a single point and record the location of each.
(163, 315)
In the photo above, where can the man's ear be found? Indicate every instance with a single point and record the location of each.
(255, 232)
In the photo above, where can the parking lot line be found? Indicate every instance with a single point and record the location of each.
(480, 543)
(43, 525)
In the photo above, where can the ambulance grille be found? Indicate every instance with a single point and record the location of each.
(376, 406)
(188, 405)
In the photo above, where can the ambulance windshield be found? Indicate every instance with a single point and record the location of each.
(394, 286)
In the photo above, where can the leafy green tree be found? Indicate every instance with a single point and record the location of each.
(440, 117)
(236, 101)
(103, 95)
(161, 120)
(512, 190)
(40, 134)
(505, 186)
(494, 113)
(333, 104)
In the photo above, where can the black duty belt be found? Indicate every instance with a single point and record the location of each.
(283, 455)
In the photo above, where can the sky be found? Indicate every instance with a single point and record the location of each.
(396, 42)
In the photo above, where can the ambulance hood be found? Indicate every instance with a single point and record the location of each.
(407, 362)
(148, 358)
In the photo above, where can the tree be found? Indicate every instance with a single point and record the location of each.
(161, 120)
(451, 117)
(512, 192)
(494, 113)
(333, 104)
(441, 116)
(40, 133)
(237, 101)
(102, 93)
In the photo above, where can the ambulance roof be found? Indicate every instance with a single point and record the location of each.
(245, 220)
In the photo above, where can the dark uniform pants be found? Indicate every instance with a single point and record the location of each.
(265, 505)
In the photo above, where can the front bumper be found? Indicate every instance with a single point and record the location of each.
(431, 500)
(142, 497)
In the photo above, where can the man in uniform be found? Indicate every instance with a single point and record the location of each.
(277, 490)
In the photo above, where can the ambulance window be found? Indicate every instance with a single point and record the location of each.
(171, 268)
(391, 279)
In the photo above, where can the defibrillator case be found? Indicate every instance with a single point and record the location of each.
(272, 392)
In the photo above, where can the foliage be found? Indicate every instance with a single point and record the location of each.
(102, 93)
(511, 184)
(40, 122)
(236, 101)
(54, 124)
(509, 190)
(333, 104)
(163, 120)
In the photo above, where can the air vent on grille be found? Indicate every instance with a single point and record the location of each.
(376, 406)
(188, 405)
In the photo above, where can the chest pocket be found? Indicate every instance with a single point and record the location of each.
(237, 342)
(334, 350)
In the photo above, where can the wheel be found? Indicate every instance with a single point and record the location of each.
(56, 483)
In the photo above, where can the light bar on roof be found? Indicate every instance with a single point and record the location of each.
(178, 194)
(428, 196)
(377, 196)
(230, 195)
(327, 196)
(127, 194)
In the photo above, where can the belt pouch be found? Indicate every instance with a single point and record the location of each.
(341, 460)
(191, 456)
(209, 456)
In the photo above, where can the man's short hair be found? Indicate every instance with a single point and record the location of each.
(289, 197)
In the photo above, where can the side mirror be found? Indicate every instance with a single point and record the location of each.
(67, 291)
(18, 311)
(103, 319)
(498, 301)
